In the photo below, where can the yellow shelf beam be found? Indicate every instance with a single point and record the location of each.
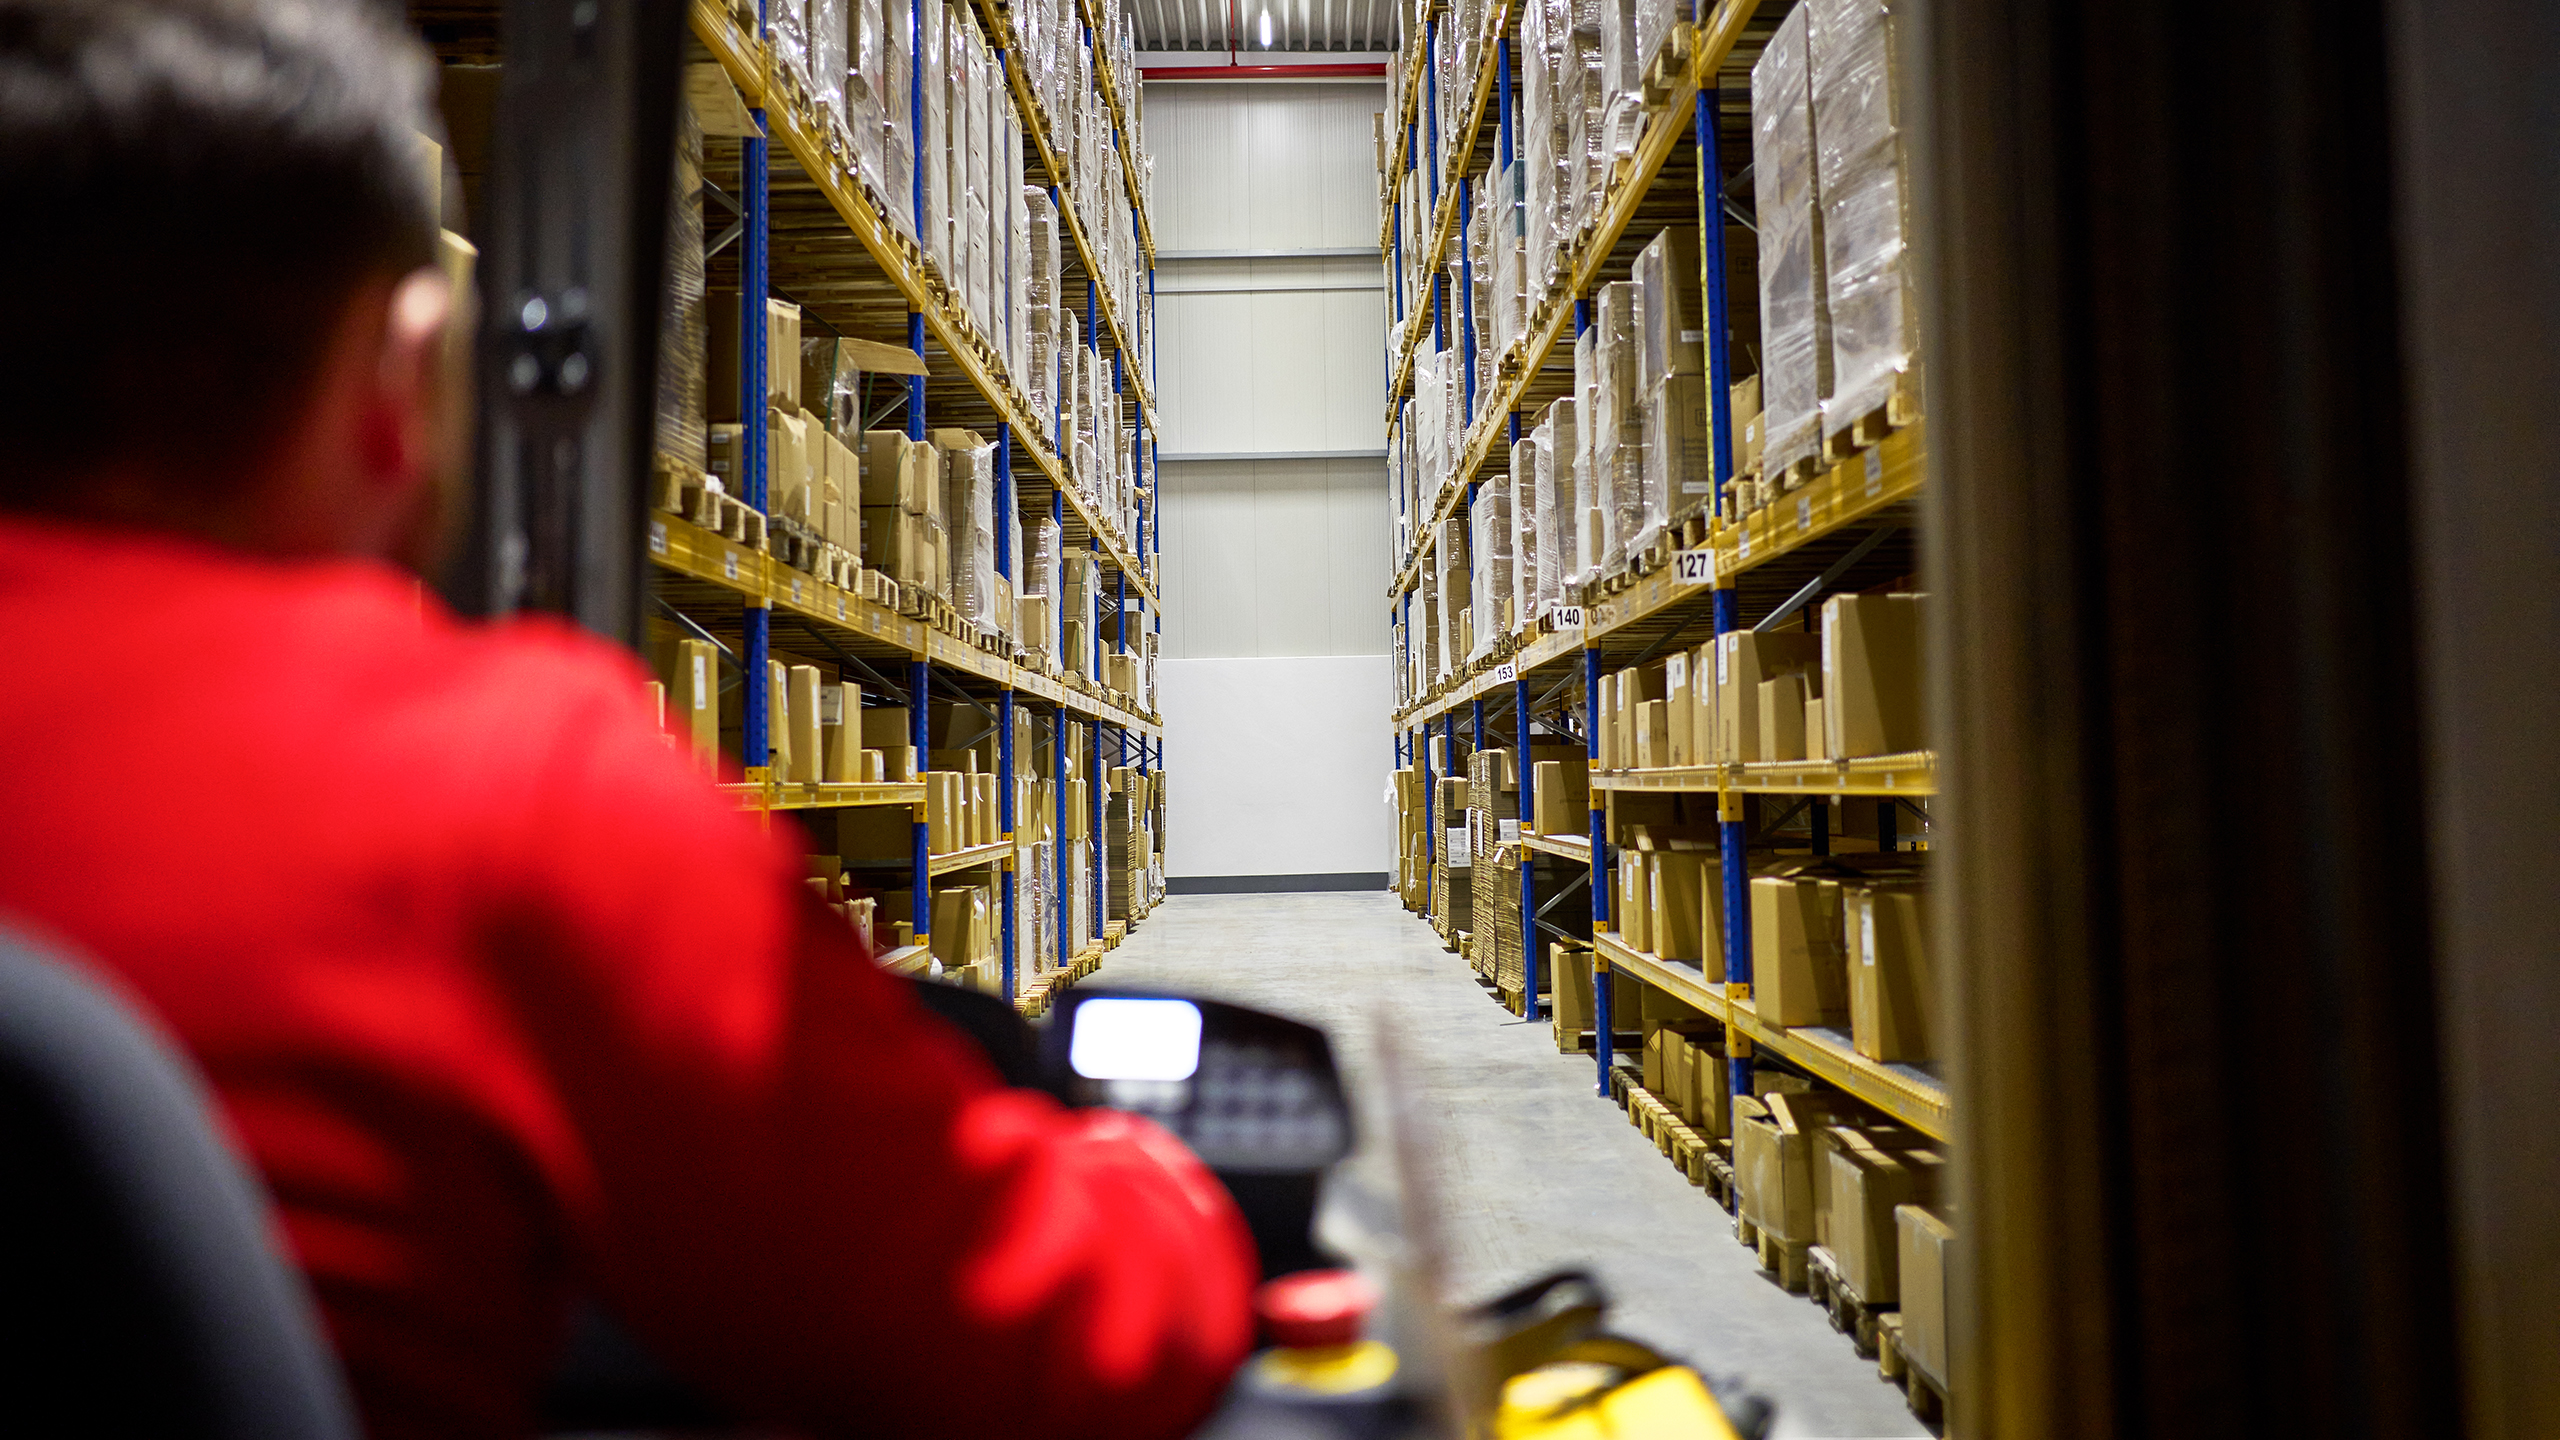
(1109, 83)
(1904, 1092)
(687, 549)
(802, 795)
(993, 852)
(1914, 774)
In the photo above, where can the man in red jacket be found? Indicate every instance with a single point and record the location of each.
(506, 1003)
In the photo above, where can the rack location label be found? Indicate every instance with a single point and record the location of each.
(1875, 473)
(729, 564)
(657, 537)
(1505, 673)
(1693, 567)
(1568, 617)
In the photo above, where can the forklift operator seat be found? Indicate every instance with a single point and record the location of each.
(141, 1267)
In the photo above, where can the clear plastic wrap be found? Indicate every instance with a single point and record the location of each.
(1489, 524)
(1632, 517)
(1621, 80)
(1591, 529)
(933, 150)
(865, 86)
(787, 37)
(1679, 450)
(1795, 323)
(1863, 184)
(1655, 20)
(1551, 497)
(682, 416)
(976, 211)
(1522, 486)
(827, 60)
(897, 131)
(1666, 271)
(1455, 567)
(1040, 282)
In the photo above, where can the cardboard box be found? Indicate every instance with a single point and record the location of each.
(1680, 709)
(1634, 901)
(1782, 716)
(1653, 734)
(840, 734)
(806, 754)
(1706, 1101)
(1817, 736)
(1609, 727)
(1871, 676)
(788, 493)
(697, 700)
(1893, 995)
(877, 835)
(1868, 1184)
(777, 702)
(1923, 1238)
(1683, 910)
(839, 497)
(1799, 969)
(782, 354)
(1773, 1159)
(1570, 966)
(1560, 796)
(887, 727)
(1744, 659)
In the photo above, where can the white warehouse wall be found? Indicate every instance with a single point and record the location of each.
(1274, 686)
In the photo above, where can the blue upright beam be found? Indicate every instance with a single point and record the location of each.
(1528, 857)
(1733, 860)
(1006, 778)
(1101, 875)
(1431, 112)
(1502, 101)
(754, 263)
(915, 383)
(1711, 259)
(1604, 1020)
(920, 735)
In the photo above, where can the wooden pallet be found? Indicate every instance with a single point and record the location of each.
(1899, 409)
(1851, 1314)
(1670, 68)
(1782, 1258)
(1113, 932)
(1926, 1396)
(1715, 1172)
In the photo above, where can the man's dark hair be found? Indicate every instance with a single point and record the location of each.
(195, 189)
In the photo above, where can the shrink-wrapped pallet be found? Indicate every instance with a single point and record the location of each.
(898, 132)
(1489, 527)
(1453, 562)
(684, 322)
(827, 59)
(1590, 106)
(865, 86)
(1523, 487)
(1040, 284)
(976, 210)
(1862, 180)
(1655, 20)
(933, 150)
(1554, 502)
(1795, 317)
(1679, 455)
(1545, 140)
(1621, 80)
(787, 39)
(1666, 274)
(1631, 516)
(1510, 263)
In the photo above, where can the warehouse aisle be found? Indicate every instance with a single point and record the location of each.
(1533, 1169)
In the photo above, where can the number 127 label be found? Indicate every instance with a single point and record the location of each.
(1693, 567)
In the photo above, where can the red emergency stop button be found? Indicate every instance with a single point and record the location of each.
(1315, 1308)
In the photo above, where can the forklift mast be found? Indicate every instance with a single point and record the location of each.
(571, 277)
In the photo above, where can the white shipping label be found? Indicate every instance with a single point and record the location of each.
(1692, 567)
(1867, 930)
(1675, 671)
(1510, 832)
(1458, 844)
(830, 705)
(701, 682)
(1724, 660)
(1875, 472)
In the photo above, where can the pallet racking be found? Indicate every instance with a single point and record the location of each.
(1715, 571)
(813, 228)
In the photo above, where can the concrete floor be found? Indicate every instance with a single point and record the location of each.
(1532, 1170)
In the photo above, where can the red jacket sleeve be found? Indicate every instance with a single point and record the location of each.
(799, 1189)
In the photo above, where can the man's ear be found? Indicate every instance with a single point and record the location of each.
(426, 384)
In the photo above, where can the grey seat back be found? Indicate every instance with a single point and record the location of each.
(142, 1290)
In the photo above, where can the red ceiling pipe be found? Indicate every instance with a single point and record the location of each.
(1264, 72)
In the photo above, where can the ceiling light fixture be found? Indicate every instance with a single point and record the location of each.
(1266, 29)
